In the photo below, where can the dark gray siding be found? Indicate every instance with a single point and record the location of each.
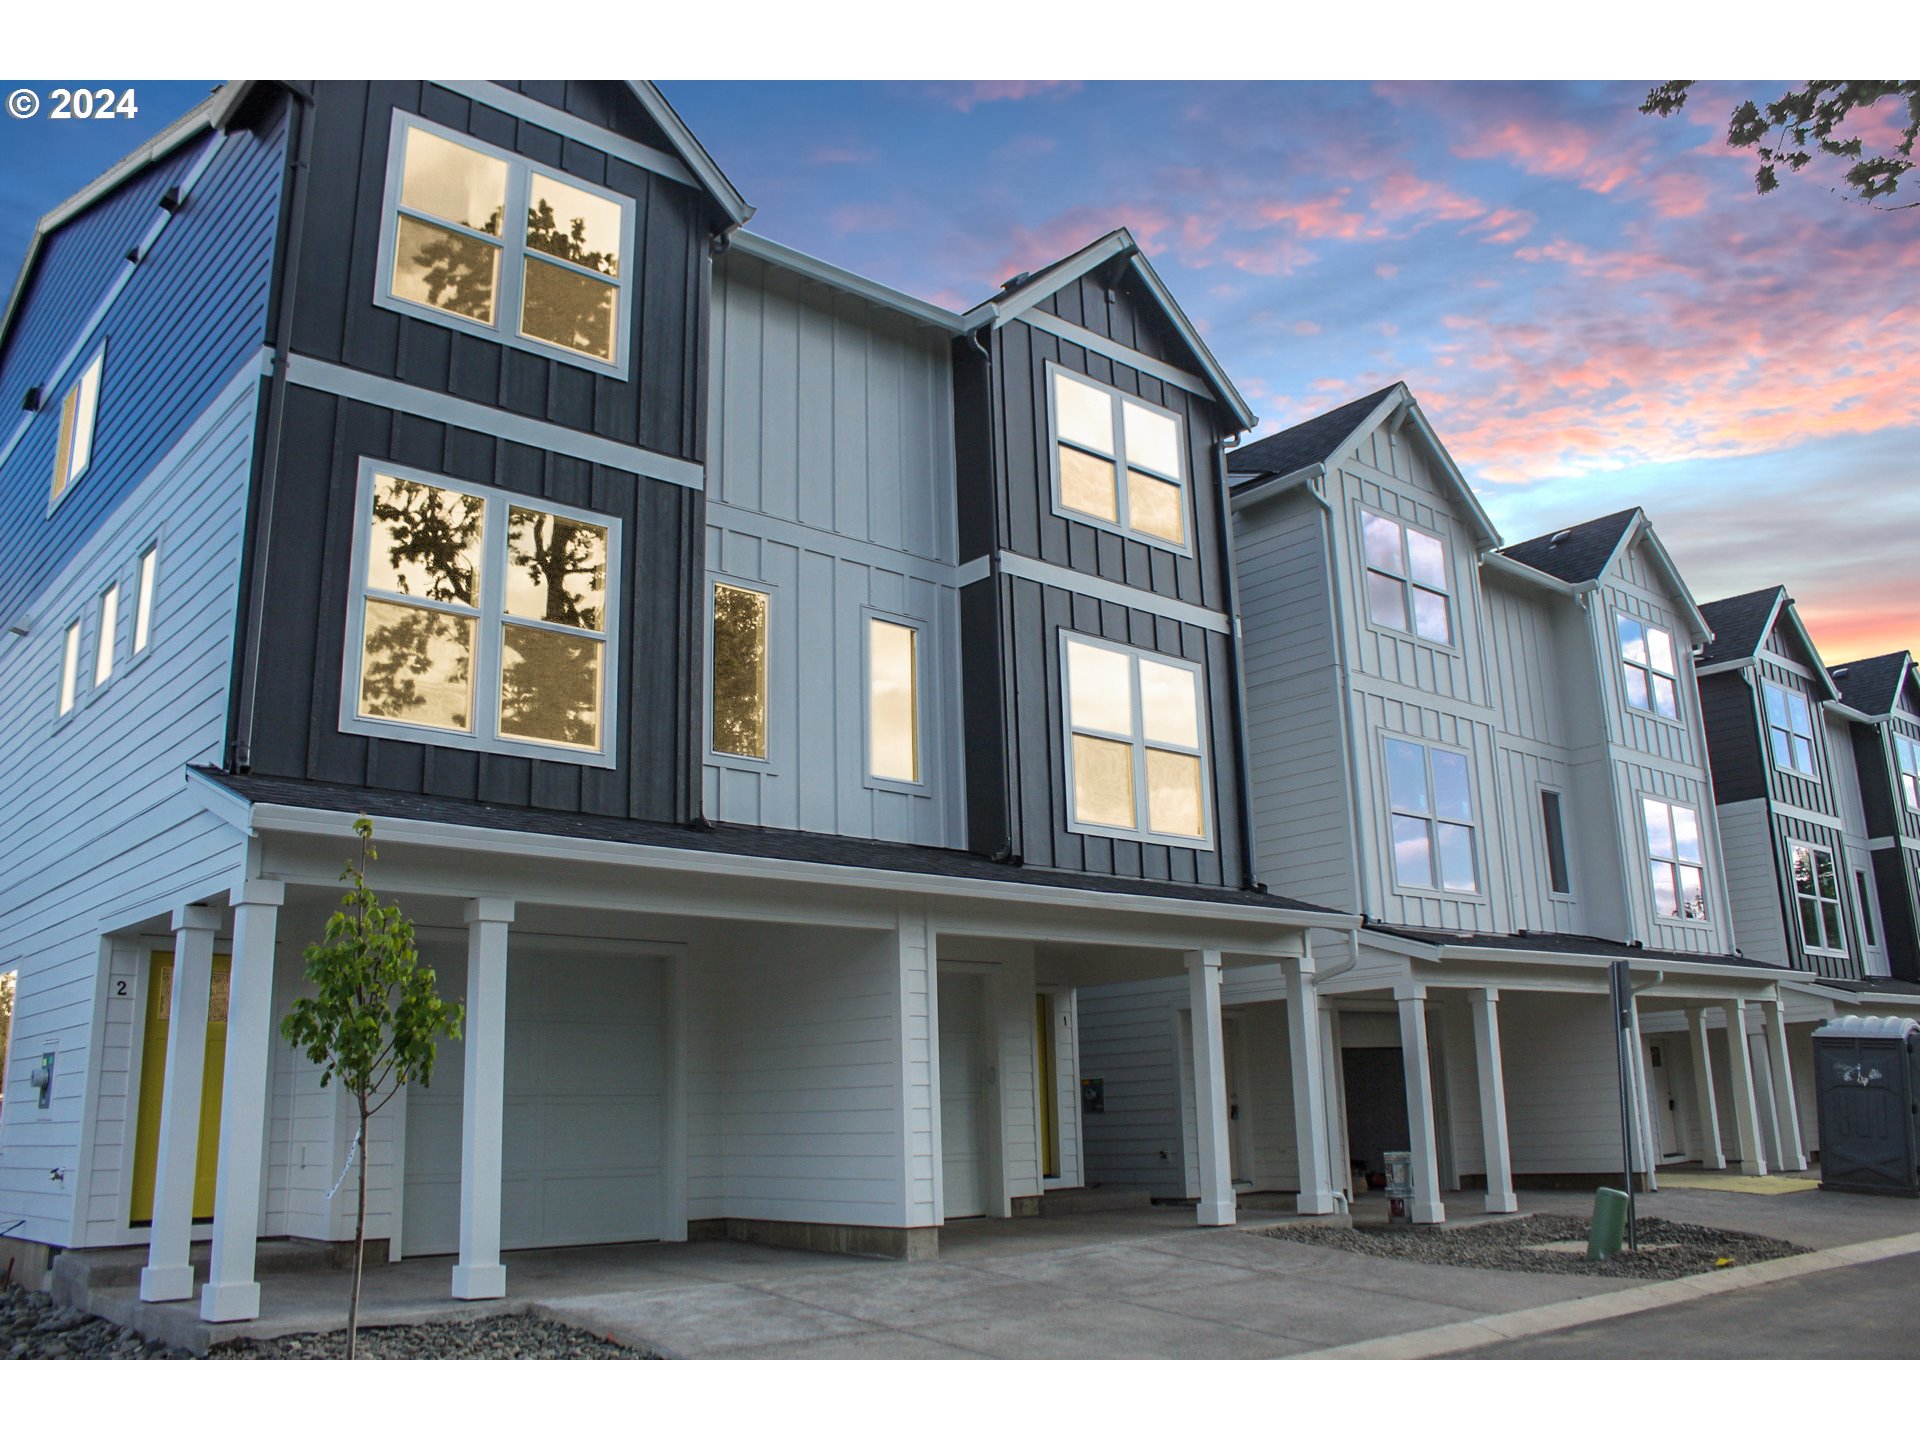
(295, 726)
(660, 405)
(1896, 874)
(1733, 738)
(1792, 828)
(1813, 792)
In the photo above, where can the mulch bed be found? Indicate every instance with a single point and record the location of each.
(1504, 1245)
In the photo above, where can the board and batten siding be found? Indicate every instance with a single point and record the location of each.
(831, 488)
(103, 831)
(1297, 762)
(181, 320)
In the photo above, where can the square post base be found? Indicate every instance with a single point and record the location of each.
(234, 1300)
(160, 1283)
(1216, 1212)
(479, 1282)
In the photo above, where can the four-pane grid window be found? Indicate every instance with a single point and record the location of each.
(1651, 667)
(1676, 859)
(1430, 792)
(1135, 741)
(1406, 579)
(483, 619)
(497, 244)
(1119, 461)
(1816, 889)
(1789, 729)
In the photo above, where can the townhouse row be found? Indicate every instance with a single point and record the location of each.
(861, 765)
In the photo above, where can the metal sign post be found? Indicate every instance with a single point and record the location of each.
(1620, 990)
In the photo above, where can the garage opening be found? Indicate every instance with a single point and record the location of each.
(584, 1138)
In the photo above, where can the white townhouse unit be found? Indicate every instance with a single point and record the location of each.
(1495, 754)
(774, 696)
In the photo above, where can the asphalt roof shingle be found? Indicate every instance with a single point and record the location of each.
(1577, 553)
(1308, 443)
(1872, 685)
(1739, 624)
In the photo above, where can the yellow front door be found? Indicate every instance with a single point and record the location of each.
(153, 1084)
(1049, 1087)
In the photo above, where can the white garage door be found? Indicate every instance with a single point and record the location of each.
(963, 1099)
(585, 1110)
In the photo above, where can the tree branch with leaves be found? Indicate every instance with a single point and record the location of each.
(373, 1021)
(1790, 131)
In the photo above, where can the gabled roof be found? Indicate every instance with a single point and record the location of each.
(1317, 441)
(691, 152)
(1579, 555)
(1871, 686)
(1742, 623)
(1118, 247)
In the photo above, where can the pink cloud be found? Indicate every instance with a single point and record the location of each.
(985, 92)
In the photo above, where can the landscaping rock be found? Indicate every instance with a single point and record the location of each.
(32, 1327)
(1669, 1249)
(504, 1337)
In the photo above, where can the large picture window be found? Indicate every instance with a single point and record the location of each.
(483, 619)
(493, 243)
(1789, 728)
(1136, 748)
(1906, 754)
(1816, 890)
(1678, 865)
(1406, 579)
(1650, 667)
(1430, 792)
(1118, 461)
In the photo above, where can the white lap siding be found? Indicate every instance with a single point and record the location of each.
(102, 830)
(1563, 1089)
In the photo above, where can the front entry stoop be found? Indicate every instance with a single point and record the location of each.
(1092, 1199)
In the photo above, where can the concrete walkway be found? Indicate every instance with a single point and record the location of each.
(1142, 1283)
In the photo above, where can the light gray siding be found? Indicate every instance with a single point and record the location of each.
(1753, 884)
(102, 831)
(1128, 1044)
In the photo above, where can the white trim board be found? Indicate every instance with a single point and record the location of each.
(1112, 591)
(1134, 359)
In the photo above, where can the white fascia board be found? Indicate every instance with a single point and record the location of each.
(1792, 614)
(1189, 332)
(687, 145)
(1008, 305)
(1273, 485)
(1560, 959)
(303, 820)
(1722, 667)
(1847, 712)
(1526, 574)
(1642, 529)
(786, 258)
(1483, 522)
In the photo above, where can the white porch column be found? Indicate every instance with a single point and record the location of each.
(1210, 1089)
(169, 1270)
(1334, 1088)
(1746, 1120)
(1712, 1155)
(1427, 1206)
(1493, 1100)
(1786, 1107)
(480, 1275)
(1643, 1099)
(231, 1292)
(1309, 1086)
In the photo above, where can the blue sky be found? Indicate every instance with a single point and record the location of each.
(1593, 306)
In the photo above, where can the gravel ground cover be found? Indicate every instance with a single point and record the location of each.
(505, 1337)
(32, 1327)
(1506, 1245)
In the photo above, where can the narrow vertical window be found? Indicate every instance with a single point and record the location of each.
(1650, 667)
(143, 603)
(70, 669)
(1674, 854)
(109, 628)
(77, 410)
(1816, 886)
(893, 701)
(1907, 756)
(739, 671)
(1430, 792)
(1864, 890)
(1558, 879)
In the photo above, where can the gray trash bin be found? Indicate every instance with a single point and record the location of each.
(1867, 1074)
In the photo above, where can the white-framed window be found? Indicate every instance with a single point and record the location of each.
(149, 576)
(893, 701)
(1118, 461)
(1136, 743)
(1407, 586)
(738, 665)
(108, 629)
(1816, 892)
(78, 409)
(1906, 754)
(1676, 859)
(1863, 892)
(70, 669)
(1650, 667)
(1553, 827)
(1789, 728)
(494, 243)
(481, 619)
(1430, 796)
